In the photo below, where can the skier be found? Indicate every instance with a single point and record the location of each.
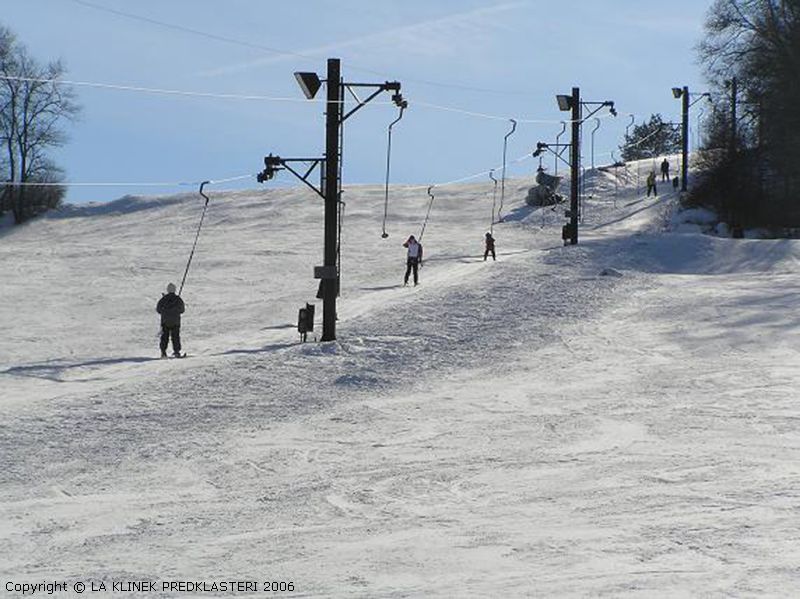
(414, 259)
(170, 306)
(651, 184)
(489, 247)
(665, 170)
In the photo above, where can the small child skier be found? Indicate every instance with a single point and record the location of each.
(651, 183)
(489, 247)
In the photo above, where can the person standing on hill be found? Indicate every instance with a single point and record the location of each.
(651, 184)
(171, 306)
(489, 247)
(414, 259)
(665, 170)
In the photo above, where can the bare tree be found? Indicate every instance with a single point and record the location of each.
(33, 106)
(757, 42)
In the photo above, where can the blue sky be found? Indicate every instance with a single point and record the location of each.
(500, 59)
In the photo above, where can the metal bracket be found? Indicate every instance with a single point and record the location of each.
(274, 164)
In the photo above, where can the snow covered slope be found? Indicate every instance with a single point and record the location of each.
(525, 427)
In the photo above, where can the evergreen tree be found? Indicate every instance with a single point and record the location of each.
(651, 139)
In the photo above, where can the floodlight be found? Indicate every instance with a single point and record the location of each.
(564, 102)
(309, 83)
(677, 92)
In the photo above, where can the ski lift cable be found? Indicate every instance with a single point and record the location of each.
(494, 201)
(632, 144)
(483, 173)
(503, 179)
(197, 235)
(125, 184)
(265, 98)
(483, 115)
(388, 164)
(462, 180)
(498, 117)
(155, 90)
(428, 214)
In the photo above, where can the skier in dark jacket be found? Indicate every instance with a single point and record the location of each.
(489, 247)
(170, 306)
(665, 170)
(414, 259)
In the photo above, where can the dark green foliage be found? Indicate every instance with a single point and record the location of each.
(651, 139)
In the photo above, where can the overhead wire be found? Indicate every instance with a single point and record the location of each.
(155, 90)
(270, 98)
(184, 29)
(125, 184)
(279, 52)
(632, 144)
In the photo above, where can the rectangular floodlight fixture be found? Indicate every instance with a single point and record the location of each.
(677, 92)
(309, 83)
(564, 102)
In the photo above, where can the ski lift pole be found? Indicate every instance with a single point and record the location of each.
(503, 180)
(629, 125)
(427, 215)
(596, 127)
(701, 111)
(558, 139)
(627, 140)
(388, 163)
(494, 201)
(197, 236)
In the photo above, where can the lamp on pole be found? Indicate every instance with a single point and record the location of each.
(330, 188)
(683, 94)
(572, 102)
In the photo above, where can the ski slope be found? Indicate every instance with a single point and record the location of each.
(525, 427)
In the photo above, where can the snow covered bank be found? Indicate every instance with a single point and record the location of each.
(524, 427)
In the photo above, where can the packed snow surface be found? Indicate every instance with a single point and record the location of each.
(617, 418)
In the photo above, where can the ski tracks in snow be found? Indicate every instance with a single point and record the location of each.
(510, 428)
